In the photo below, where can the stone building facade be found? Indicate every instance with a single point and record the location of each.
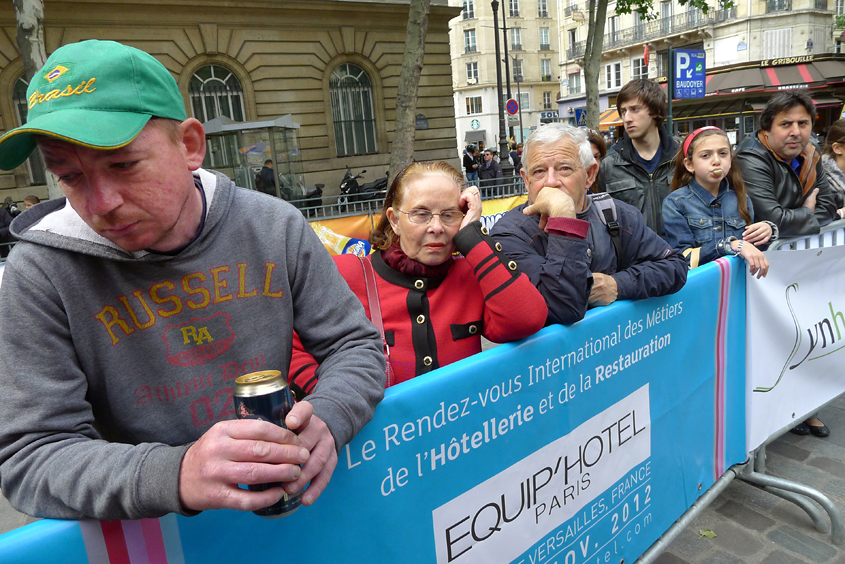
(334, 66)
(533, 51)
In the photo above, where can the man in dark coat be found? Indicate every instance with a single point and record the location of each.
(639, 168)
(559, 240)
(265, 180)
(782, 168)
(489, 173)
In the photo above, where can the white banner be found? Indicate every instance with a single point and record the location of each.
(547, 488)
(796, 339)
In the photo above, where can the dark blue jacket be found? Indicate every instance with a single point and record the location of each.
(561, 267)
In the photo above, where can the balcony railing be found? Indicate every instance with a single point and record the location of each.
(569, 9)
(469, 49)
(778, 6)
(654, 29)
(542, 14)
(545, 47)
(516, 47)
(469, 14)
(546, 78)
(514, 14)
(821, 5)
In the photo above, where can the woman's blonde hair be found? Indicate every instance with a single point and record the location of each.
(382, 236)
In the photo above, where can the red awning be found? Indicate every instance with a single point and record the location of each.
(792, 76)
(772, 79)
(740, 80)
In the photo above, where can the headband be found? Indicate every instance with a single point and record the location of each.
(691, 136)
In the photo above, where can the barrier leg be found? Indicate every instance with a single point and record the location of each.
(661, 544)
(773, 485)
(815, 514)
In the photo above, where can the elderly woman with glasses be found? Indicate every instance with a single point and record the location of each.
(434, 306)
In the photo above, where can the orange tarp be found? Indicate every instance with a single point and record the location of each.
(609, 119)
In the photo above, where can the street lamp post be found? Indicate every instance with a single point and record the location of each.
(506, 61)
(518, 78)
(505, 163)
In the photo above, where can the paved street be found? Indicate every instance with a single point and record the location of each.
(751, 526)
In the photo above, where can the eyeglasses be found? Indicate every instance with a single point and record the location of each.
(422, 217)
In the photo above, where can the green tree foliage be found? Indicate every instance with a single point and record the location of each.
(597, 15)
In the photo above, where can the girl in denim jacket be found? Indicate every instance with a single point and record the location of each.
(708, 214)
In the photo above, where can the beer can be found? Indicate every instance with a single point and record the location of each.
(265, 395)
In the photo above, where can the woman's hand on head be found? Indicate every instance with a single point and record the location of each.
(757, 233)
(470, 204)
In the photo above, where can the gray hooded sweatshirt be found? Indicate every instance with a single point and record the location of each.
(112, 364)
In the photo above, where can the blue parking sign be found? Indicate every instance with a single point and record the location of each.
(690, 71)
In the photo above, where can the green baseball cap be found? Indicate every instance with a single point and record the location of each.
(98, 94)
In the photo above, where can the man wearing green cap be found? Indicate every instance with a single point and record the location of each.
(130, 306)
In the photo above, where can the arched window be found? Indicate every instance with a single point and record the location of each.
(35, 163)
(216, 91)
(352, 111)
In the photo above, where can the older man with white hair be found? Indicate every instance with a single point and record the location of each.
(581, 249)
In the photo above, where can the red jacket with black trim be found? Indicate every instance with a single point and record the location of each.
(432, 322)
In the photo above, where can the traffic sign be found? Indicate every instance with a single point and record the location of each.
(512, 106)
(581, 117)
(690, 72)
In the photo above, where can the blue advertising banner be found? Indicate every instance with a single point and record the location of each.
(581, 444)
(690, 73)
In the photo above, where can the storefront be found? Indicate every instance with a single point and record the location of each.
(736, 94)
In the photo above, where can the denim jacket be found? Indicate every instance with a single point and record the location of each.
(692, 218)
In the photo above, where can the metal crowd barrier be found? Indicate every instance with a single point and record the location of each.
(830, 235)
(753, 470)
(339, 206)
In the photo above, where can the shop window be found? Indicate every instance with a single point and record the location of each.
(34, 164)
(613, 75)
(472, 73)
(638, 68)
(574, 82)
(469, 41)
(215, 91)
(351, 94)
(777, 43)
(542, 9)
(518, 75)
(544, 39)
(473, 105)
(516, 38)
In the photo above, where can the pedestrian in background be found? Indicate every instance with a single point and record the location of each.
(471, 164)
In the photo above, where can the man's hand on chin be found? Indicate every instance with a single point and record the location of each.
(551, 202)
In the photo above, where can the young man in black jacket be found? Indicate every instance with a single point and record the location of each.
(639, 168)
